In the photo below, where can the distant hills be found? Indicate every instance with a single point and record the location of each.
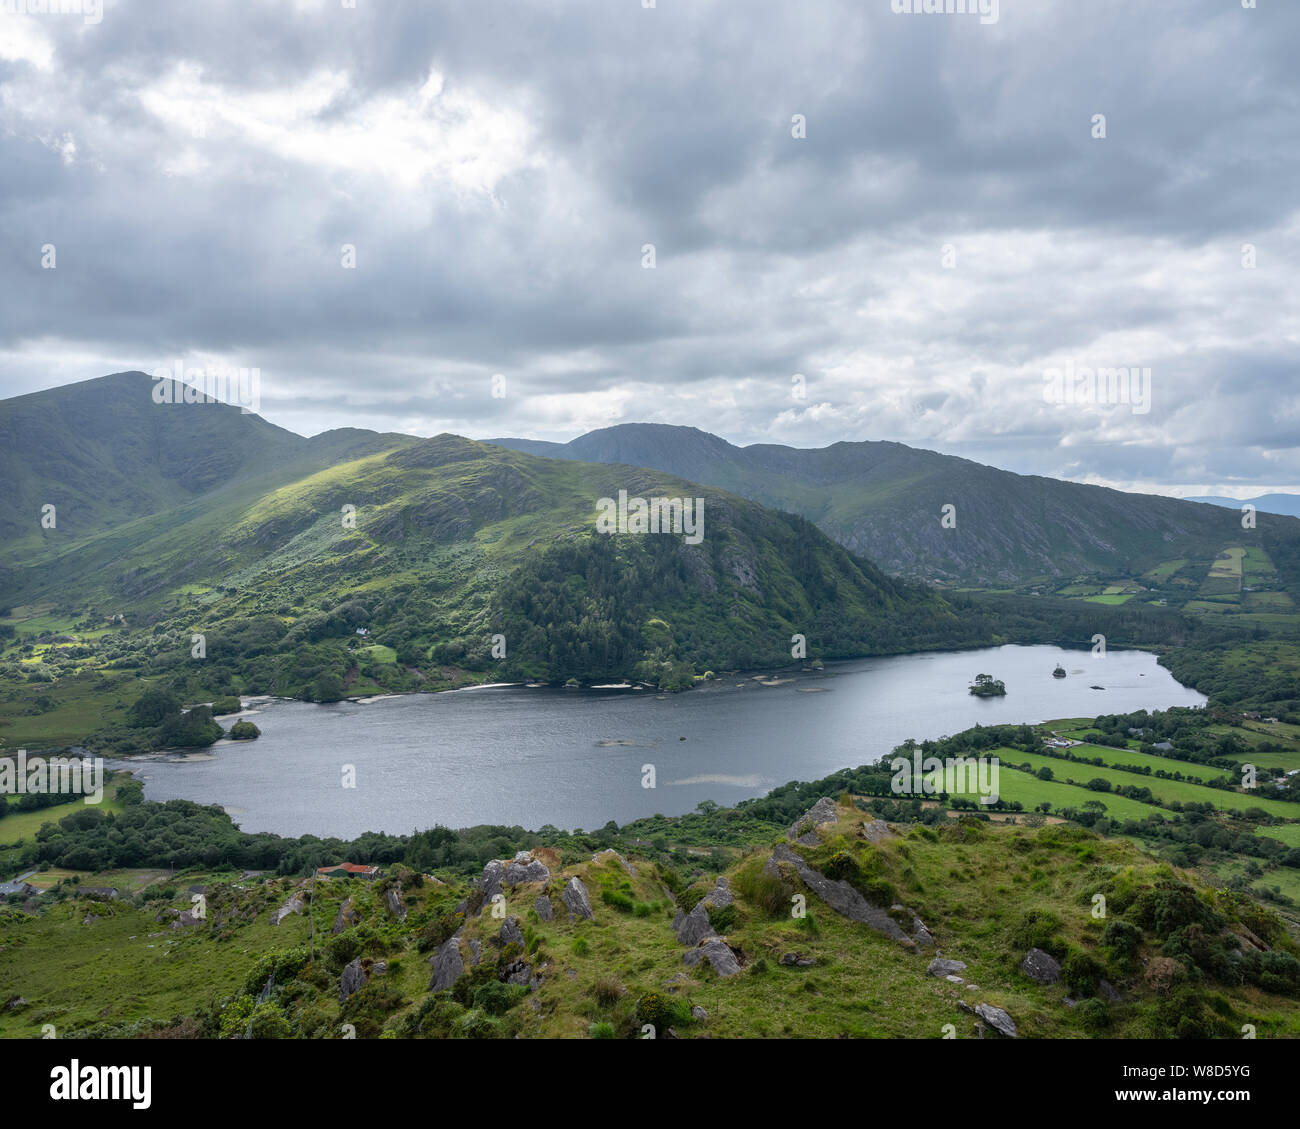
(885, 501)
(1287, 504)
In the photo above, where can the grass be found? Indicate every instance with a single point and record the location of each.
(19, 826)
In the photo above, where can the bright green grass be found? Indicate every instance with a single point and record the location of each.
(18, 826)
(1288, 833)
(1167, 790)
(1139, 760)
(1166, 569)
(1110, 599)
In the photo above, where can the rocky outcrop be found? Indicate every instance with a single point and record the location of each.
(510, 933)
(691, 928)
(346, 916)
(353, 980)
(839, 895)
(942, 966)
(1106, 990)
(296, 904)
(717, 953)
(447, 965)
(1041, 967)
(393, 899)
(490, 883)
(876, 830)
(543, 906)
(804, 829)
(576, 899)
(525, 867)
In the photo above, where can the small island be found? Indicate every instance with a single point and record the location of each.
(1059, 672)
(986, 686)
(244, 731)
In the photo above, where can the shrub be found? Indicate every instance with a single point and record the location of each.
(581, 946)
(607, 991)
(497, 998)
(1121, 940)
(1093, 1015)
(1080, 972)
(618, 900)
(723, 919)
(601, 1031)
(1036, 929)
(662, 1011)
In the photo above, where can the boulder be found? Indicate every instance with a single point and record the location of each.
(920, 934)
(1107, 991)
(544, 908)
(447, 965)
(517, 972)
(576, 899)
(490, 883)
(954, 979)
(804, 829)
(475, 952)
(1041, 967)
(720, 896)
(699, 1013)
(875, 830)
(796, 960)
(353, 980)
(717, 953)
(942, 966)
(996, 1018)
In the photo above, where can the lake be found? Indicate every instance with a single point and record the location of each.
(574, 758)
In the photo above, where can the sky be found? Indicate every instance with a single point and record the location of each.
(782, 223)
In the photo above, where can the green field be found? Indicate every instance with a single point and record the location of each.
(17, 826)
(1166, 790)
(1138, 760)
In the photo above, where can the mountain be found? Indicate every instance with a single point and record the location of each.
(277, 549)
(885, 501)
(103, 453)
(1286, 504)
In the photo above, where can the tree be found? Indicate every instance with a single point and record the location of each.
(152, 707)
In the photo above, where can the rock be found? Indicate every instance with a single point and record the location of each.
(920, 934)
(346, 916)
(796, 960)
(525, 868)
(490, 883)
(720, 897)
(16, 1003)
(804, 829)
(954, 979)
(1068, 1002)
(293, 905)
(379, 968)
(510, 933)
(447, 965)
(996, 1018)
(694, 927)
(393, 898)
(475, 952)
(840, 896)
(517, 972)
(544, 908)
(575, 897)
(942, 966)
(876, 830)
(717, 953)
(1107, 991)
(698, 1012)
(1041, 967)
(89, 918)
(353, 980)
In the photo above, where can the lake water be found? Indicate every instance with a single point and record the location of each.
(575, 758)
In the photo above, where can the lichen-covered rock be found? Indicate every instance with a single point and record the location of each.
(1041, 967)
(804, 829)
(998, 1019)
(576, 899)
(353, 980)
(942, 966)
(447, 965)
(717, 953)
(543, 906)
(490, 883)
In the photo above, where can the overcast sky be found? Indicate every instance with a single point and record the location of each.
(499, 165)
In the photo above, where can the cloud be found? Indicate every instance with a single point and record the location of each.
(948, 228)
